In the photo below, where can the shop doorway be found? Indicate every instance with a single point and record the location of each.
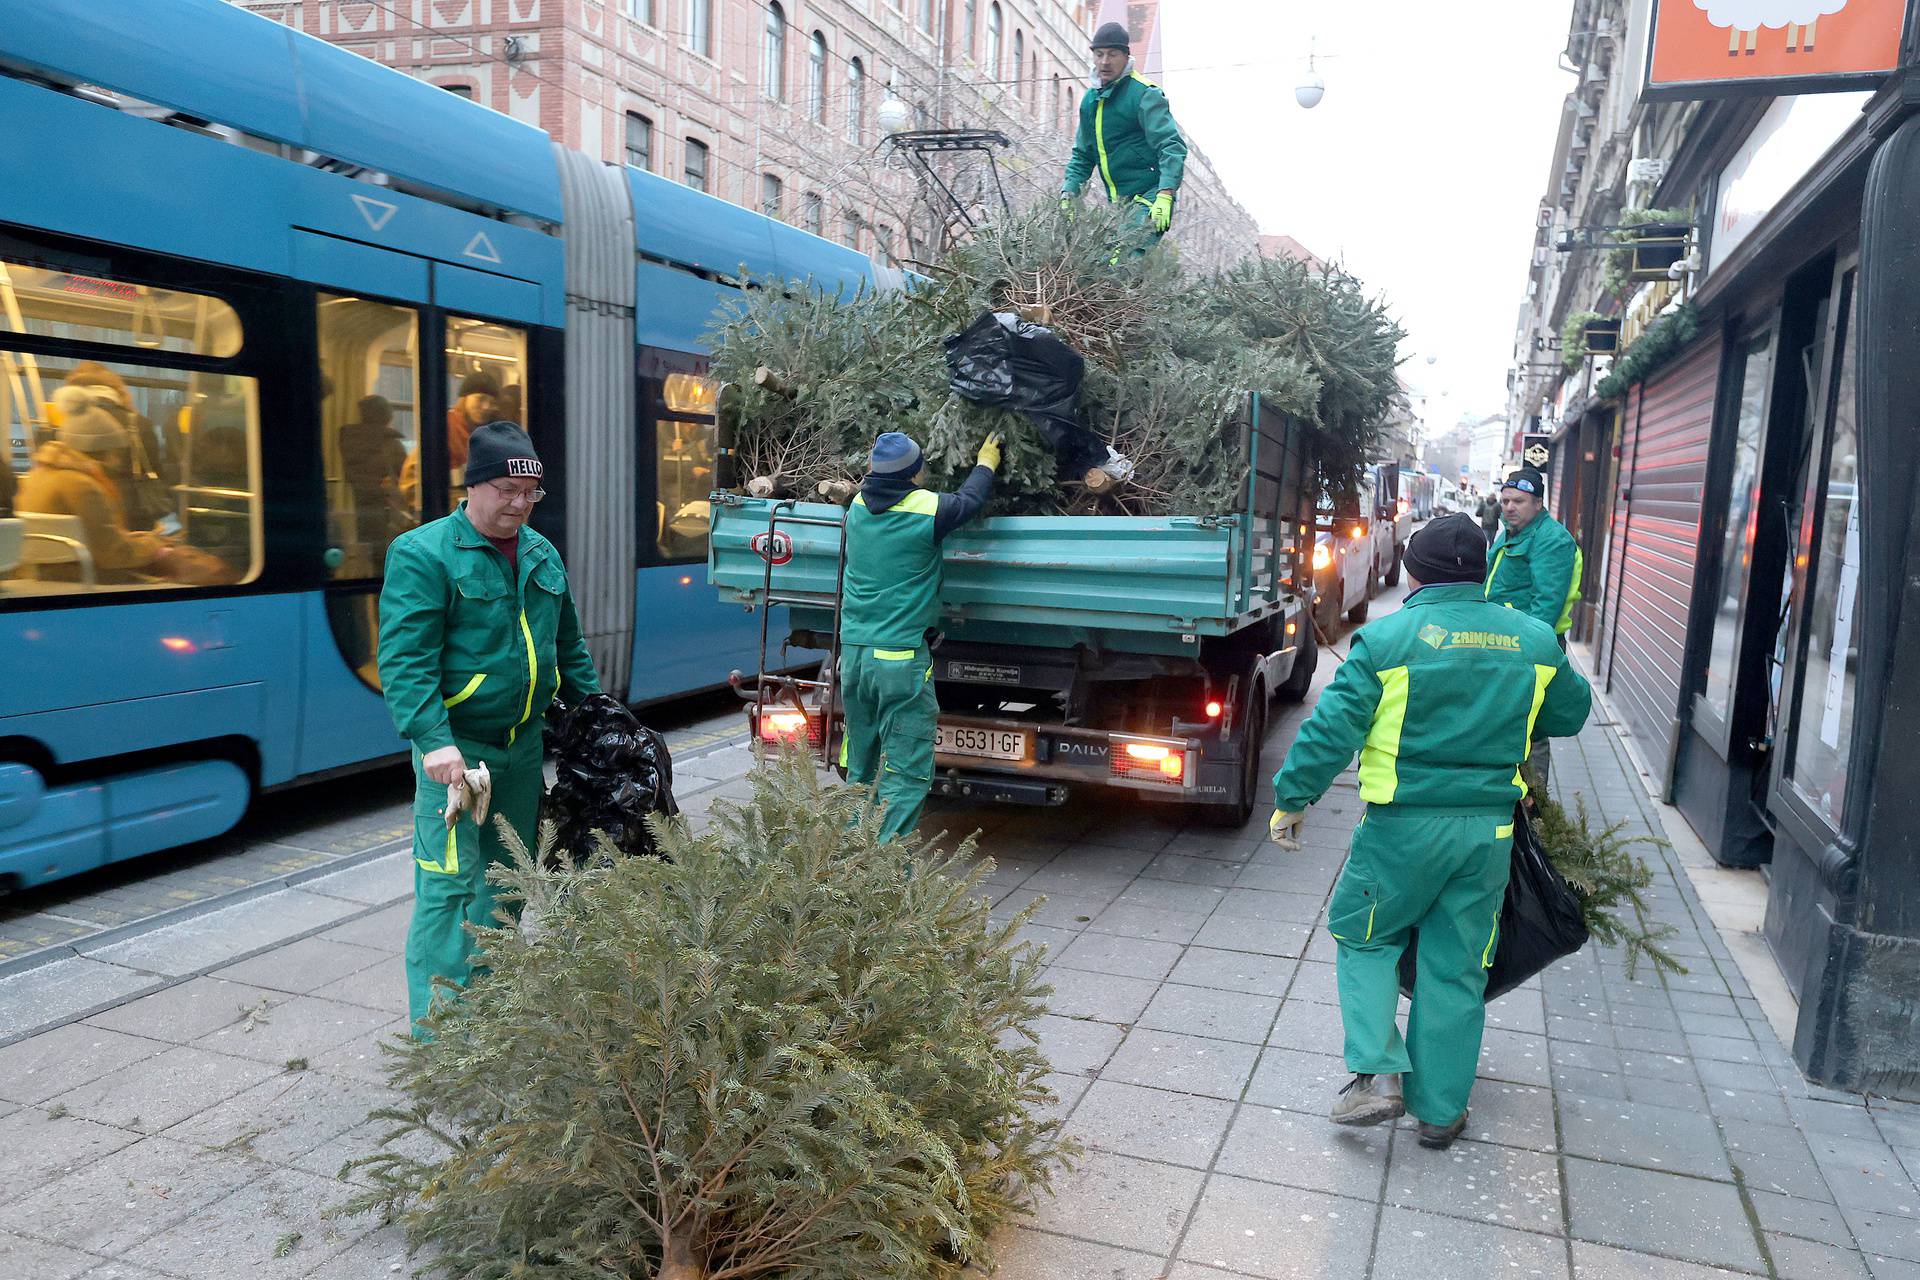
(1773, 420)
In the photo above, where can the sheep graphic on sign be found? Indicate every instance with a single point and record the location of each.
(1744, 18)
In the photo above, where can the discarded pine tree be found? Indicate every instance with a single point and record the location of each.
(785, 1050)
(813, 378)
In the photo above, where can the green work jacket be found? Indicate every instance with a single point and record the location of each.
(1127, 136)
(1537, 571)
(468, 652)
(891, 598)
(1442, 699)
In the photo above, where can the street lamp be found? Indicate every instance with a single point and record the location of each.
(894, 115)
(1310, 90)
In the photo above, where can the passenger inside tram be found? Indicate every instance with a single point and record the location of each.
(476, 405)
(373, 454)
(73, 474)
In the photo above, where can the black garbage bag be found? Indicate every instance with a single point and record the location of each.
(1540, 920)
(611, 772)
(1004, 362)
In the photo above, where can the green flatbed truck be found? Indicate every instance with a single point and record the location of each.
(1139, 653)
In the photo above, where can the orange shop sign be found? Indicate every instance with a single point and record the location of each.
(1714, 48)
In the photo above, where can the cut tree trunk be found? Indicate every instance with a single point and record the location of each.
(774, 381)
(679, 1262)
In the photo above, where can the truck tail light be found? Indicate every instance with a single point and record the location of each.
(1213, 710)
(1150, 761)
(1358, 532)
(788, 726)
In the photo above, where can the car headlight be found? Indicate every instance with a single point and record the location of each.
(1322, 557)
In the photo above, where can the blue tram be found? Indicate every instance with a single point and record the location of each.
(255, 291)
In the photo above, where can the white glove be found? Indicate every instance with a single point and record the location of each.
(473, 790)
(1285, 829)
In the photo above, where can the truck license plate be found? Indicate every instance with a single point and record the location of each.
(985, 744)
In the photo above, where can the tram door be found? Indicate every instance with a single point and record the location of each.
(410, 367)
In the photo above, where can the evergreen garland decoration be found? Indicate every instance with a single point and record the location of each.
(813, 377)
(1659, 346)
(786, 1049)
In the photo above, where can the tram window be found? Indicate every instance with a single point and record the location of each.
(369, 427)
(80, 308)
(486, 382)
(128, 477)
(686, 444)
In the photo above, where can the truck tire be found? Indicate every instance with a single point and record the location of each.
(1393, 572)
(1305, 661)
(1236, 812)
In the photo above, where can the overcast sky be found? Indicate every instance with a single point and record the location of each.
(1422, 168)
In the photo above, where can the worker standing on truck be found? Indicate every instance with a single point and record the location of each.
(1536, 568)
(477, 634)
(890, 608)
(1127, 135)
(1441, 700)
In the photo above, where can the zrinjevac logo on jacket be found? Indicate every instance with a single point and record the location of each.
(1435, 636)
(1441, 638)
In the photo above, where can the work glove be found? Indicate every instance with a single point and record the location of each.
(1285, 829)
(1067, 201)
(473, 790)
(990, 452)
(1162, 211)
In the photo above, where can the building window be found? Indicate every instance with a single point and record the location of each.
(926, 15)
(850, 229)
(815, 214)
(642, 11)
(639, 141)
(700, 27)
(817, 78)
(1056, 100)
(856, 99)
(773, 53)
(460, 90)
(695, 169)
(993, 40)
(1028, 89)
(1020, 62)
(770, 193)
(970, 23)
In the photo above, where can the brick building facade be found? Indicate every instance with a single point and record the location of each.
(773, 104)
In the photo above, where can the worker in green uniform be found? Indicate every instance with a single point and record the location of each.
(1127, 136)
(1536, 569)
(477, 634)
(1441, 700)
(890, 608)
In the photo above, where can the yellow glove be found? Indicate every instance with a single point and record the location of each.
(1162, 211)
(990, 452)
(1068, 199)
(1285, 829)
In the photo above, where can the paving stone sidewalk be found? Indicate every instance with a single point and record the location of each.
(192, 1126)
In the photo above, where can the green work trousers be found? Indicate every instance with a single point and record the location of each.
(450, 888)
(1443, 872)
(892, 717)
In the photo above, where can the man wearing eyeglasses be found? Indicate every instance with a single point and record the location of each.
(477, 634)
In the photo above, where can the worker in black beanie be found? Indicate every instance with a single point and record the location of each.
(478, 632)
(1440, 700)
(1127, 138)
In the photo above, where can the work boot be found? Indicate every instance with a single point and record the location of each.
(1439, 1137)
(1369, 1100)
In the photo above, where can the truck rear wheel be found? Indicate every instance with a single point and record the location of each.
(1306, 660)
(1236, 812)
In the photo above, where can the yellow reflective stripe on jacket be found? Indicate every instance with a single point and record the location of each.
(1486, 593)
(1380, 757)
(472, 687)
(920, 502)
(894, 655)
(533, 678)
(1503, 833)
(1542, 677)
(1100, 141)
(449, 863)
(1565, 624)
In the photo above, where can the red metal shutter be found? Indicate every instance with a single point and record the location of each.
(1663, 472)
